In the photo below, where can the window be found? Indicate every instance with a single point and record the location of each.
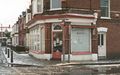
(39, 6)
(33, 6)
(29, 17)
(100, 39)
(80, 40)
(56, 27)
(105, 8)
(55, 4)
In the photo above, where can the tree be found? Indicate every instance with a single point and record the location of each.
(7, 34)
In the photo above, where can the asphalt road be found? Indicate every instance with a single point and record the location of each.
(4, 69)
(58, 70)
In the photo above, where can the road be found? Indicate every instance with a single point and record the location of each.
(4, 69)
(113, 69)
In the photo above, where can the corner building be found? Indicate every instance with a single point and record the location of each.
(83, 29)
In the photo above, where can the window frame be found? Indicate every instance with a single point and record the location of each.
(35, 7)
(100, 39)
(51, 8)
(106, 17)
(40, 8)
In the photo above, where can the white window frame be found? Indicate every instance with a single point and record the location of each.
(41, 8)
(54, 8)
(35, 7)
(89, 49)
(55, 24)
(102, 17)
(101, 39)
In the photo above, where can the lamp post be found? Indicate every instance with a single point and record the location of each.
(90, 5)
(6, 50)
(2, 31)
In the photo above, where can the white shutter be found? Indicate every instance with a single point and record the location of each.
(80, 39)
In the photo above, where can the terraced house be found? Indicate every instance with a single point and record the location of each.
(79, 30)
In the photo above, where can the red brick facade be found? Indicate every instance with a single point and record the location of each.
(21, 29)
(88, 7)
(113, 34)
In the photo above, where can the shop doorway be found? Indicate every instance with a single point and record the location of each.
(57, 42)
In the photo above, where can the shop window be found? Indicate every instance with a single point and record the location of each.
(57, 27)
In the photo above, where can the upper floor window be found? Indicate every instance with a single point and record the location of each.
(105, 8)
(39, 6)
(55, 4)
(29, 17)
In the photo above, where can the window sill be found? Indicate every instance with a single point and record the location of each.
(105, 17)
(53, 9)
(81, 53)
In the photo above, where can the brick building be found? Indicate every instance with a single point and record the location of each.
(85, 29)
(21, 29)
(108, 29)
(15, 37)
(62, 27)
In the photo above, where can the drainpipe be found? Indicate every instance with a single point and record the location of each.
(69, 43)
(41, 38)
(90, 5)
(63, 22)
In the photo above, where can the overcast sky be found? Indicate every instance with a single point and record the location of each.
(11, 9)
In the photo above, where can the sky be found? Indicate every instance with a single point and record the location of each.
(10, 11)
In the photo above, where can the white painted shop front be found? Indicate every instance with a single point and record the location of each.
(80, 38)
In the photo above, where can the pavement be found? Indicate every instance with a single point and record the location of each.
(26, 59)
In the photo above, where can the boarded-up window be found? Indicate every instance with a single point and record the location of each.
(80, 39)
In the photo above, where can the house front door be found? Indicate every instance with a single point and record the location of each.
(102, 45)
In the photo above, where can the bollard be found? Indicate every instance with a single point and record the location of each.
(5, 50)
(8, 53)
(11, 58)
